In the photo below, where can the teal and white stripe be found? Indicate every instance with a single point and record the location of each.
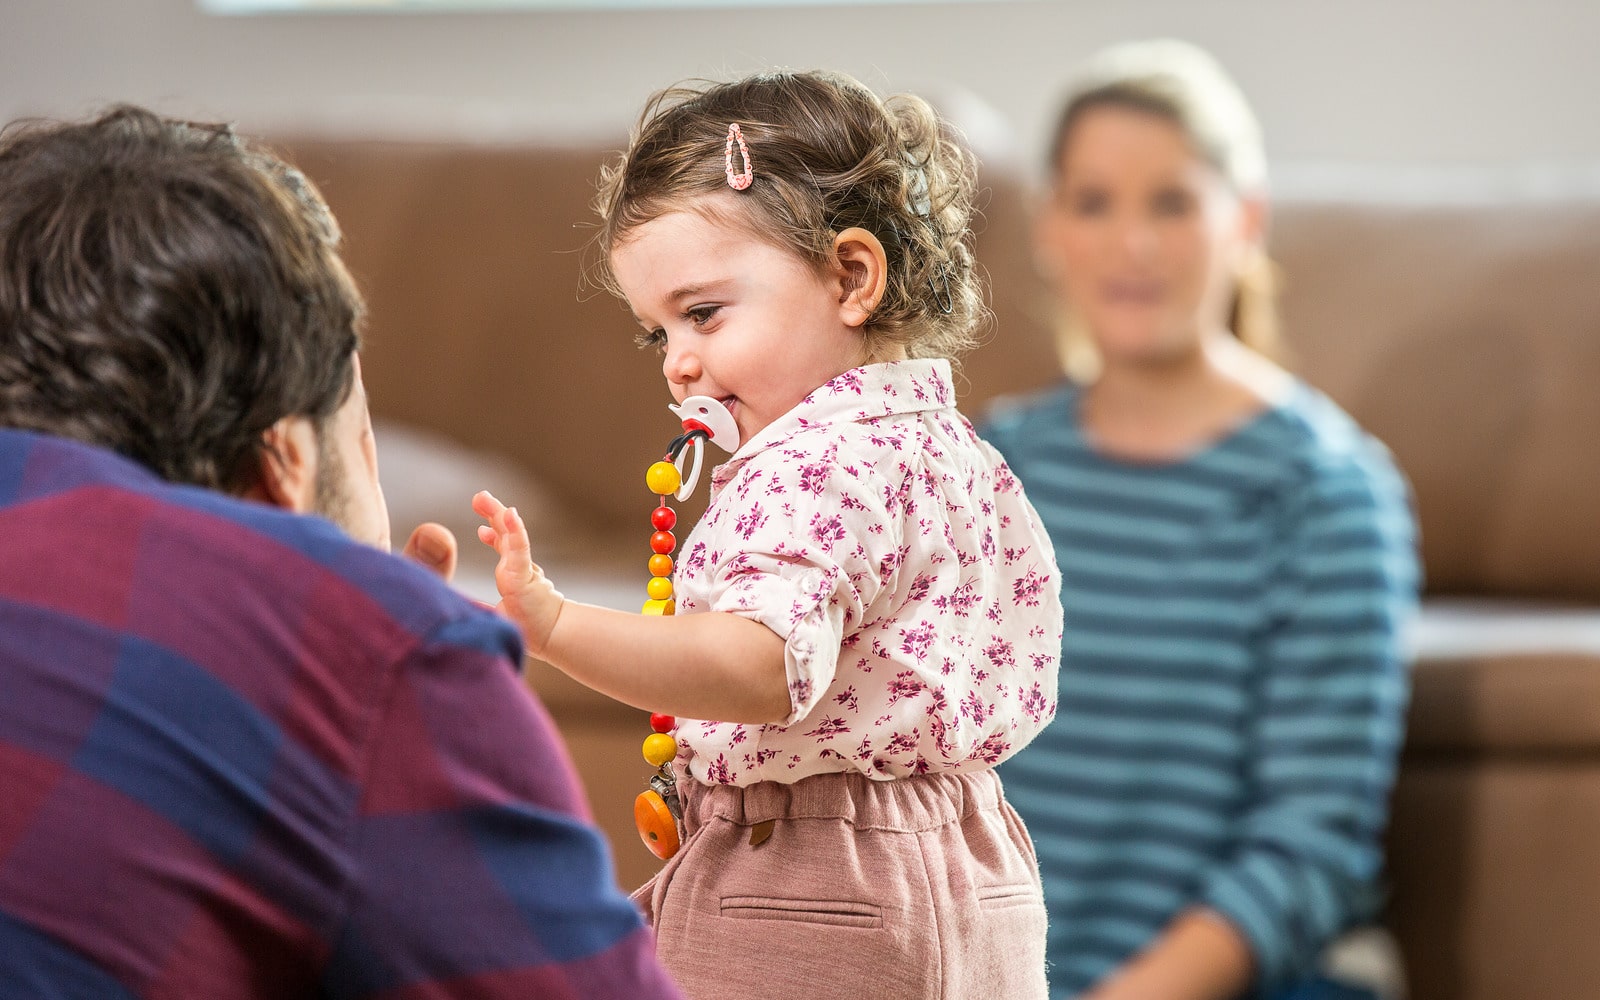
(1232, 684)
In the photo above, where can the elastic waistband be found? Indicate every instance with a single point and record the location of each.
(913, 804)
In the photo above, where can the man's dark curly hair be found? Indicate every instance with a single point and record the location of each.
(167, 291)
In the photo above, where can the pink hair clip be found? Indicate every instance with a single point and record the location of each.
(738, 181)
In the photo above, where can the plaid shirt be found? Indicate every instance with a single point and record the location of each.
(243, 756)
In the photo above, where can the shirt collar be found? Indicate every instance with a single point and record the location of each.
(870, 392)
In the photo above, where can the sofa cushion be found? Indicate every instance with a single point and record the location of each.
(1505, 678)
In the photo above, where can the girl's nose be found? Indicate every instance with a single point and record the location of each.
(680, 366)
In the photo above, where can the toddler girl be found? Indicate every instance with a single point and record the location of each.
(867, 612)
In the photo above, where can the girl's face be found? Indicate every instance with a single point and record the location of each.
(1143, 236)
(736, 318)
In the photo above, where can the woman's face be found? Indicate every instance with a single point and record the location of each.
(1143, 237)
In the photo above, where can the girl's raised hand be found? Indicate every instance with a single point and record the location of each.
(527, 596)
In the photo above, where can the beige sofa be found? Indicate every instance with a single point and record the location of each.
(1463, 329)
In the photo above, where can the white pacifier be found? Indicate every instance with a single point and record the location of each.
(704, 419)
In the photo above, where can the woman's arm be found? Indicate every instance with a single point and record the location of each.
(1326, 731)
(1328, 718)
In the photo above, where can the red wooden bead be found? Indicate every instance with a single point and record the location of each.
(662, 542)
(661, 722)
(663, 518)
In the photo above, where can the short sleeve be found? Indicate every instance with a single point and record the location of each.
(805, 555)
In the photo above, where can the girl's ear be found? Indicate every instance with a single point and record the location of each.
(287, 476)
(862, 270)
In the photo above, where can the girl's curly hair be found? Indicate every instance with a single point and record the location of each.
(828, 155)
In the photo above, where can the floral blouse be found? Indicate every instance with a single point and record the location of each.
(909, 577)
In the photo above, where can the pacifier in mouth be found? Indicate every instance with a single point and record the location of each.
(712, 416)
(705, 418)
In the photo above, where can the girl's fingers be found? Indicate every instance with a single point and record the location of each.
(507, 534)
(516, 534)
(486, 506)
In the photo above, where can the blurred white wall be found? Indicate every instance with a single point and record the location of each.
(1368, 82)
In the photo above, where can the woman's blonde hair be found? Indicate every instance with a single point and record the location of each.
(1184, 85)
(828, 155)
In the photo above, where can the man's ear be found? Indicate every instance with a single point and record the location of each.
(287, 476)
(862, 270)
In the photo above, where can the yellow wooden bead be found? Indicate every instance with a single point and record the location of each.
(655, 607)
(663, 479)
(659, 748)
(660, 565)
(659, 588)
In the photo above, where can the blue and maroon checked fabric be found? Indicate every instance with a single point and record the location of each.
(243, 756)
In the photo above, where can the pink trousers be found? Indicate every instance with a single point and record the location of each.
(842, 887)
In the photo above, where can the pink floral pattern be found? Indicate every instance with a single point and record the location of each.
(867, 528)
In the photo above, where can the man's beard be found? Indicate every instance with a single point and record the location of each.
(329, 498)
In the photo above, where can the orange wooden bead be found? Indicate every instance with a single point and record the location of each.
(657, 828)
(660, 565)
(662, 542)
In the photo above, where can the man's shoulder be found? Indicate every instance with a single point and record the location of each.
(374, 596)
(213, 554)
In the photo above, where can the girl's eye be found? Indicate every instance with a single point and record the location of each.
(651, 338)
(701, 315)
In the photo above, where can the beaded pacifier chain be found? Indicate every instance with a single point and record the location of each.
(656, 811)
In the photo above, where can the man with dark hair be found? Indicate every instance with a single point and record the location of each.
(245, 752)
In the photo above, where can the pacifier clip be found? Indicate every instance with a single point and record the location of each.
(656, 810)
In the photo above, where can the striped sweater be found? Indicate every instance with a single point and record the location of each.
(1232, 682)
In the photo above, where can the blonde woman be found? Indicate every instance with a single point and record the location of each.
(1237, 560)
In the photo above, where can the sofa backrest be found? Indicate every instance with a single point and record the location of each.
(1465, 334)
(482, 328)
